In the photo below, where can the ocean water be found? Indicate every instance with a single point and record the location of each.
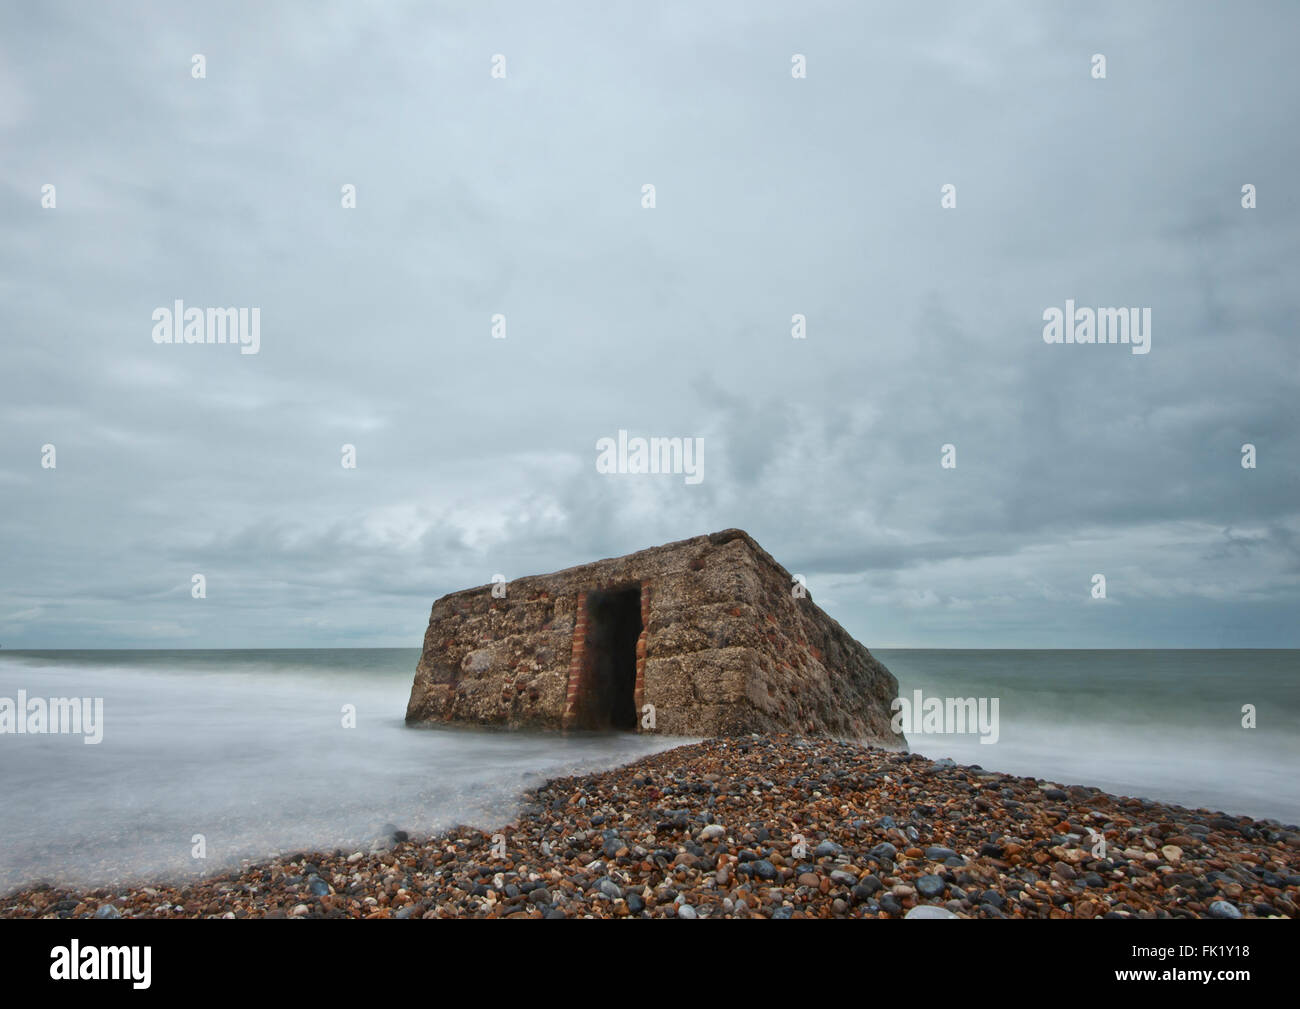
(248, 748)
(1156, 724)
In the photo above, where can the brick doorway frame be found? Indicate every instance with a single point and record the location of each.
(577, 687)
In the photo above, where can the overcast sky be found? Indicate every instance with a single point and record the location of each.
(775, 196)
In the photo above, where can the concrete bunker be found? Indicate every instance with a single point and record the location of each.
(706, 636)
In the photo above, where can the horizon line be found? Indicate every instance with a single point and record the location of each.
(880, 648)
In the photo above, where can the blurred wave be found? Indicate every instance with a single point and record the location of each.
(249, 750)
(1154, 724)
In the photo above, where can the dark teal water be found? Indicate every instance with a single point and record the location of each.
(248, 748)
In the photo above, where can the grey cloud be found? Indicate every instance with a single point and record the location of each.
(776, 197)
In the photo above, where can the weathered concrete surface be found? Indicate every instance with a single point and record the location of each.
(723, 645)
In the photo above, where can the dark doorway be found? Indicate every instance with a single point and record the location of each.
(609, 660)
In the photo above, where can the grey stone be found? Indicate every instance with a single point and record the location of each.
(929, 911)
(930, 886)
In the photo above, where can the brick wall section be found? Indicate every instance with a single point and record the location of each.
(638, 695)
(575, 662)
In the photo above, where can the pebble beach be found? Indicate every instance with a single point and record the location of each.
(770, 827)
